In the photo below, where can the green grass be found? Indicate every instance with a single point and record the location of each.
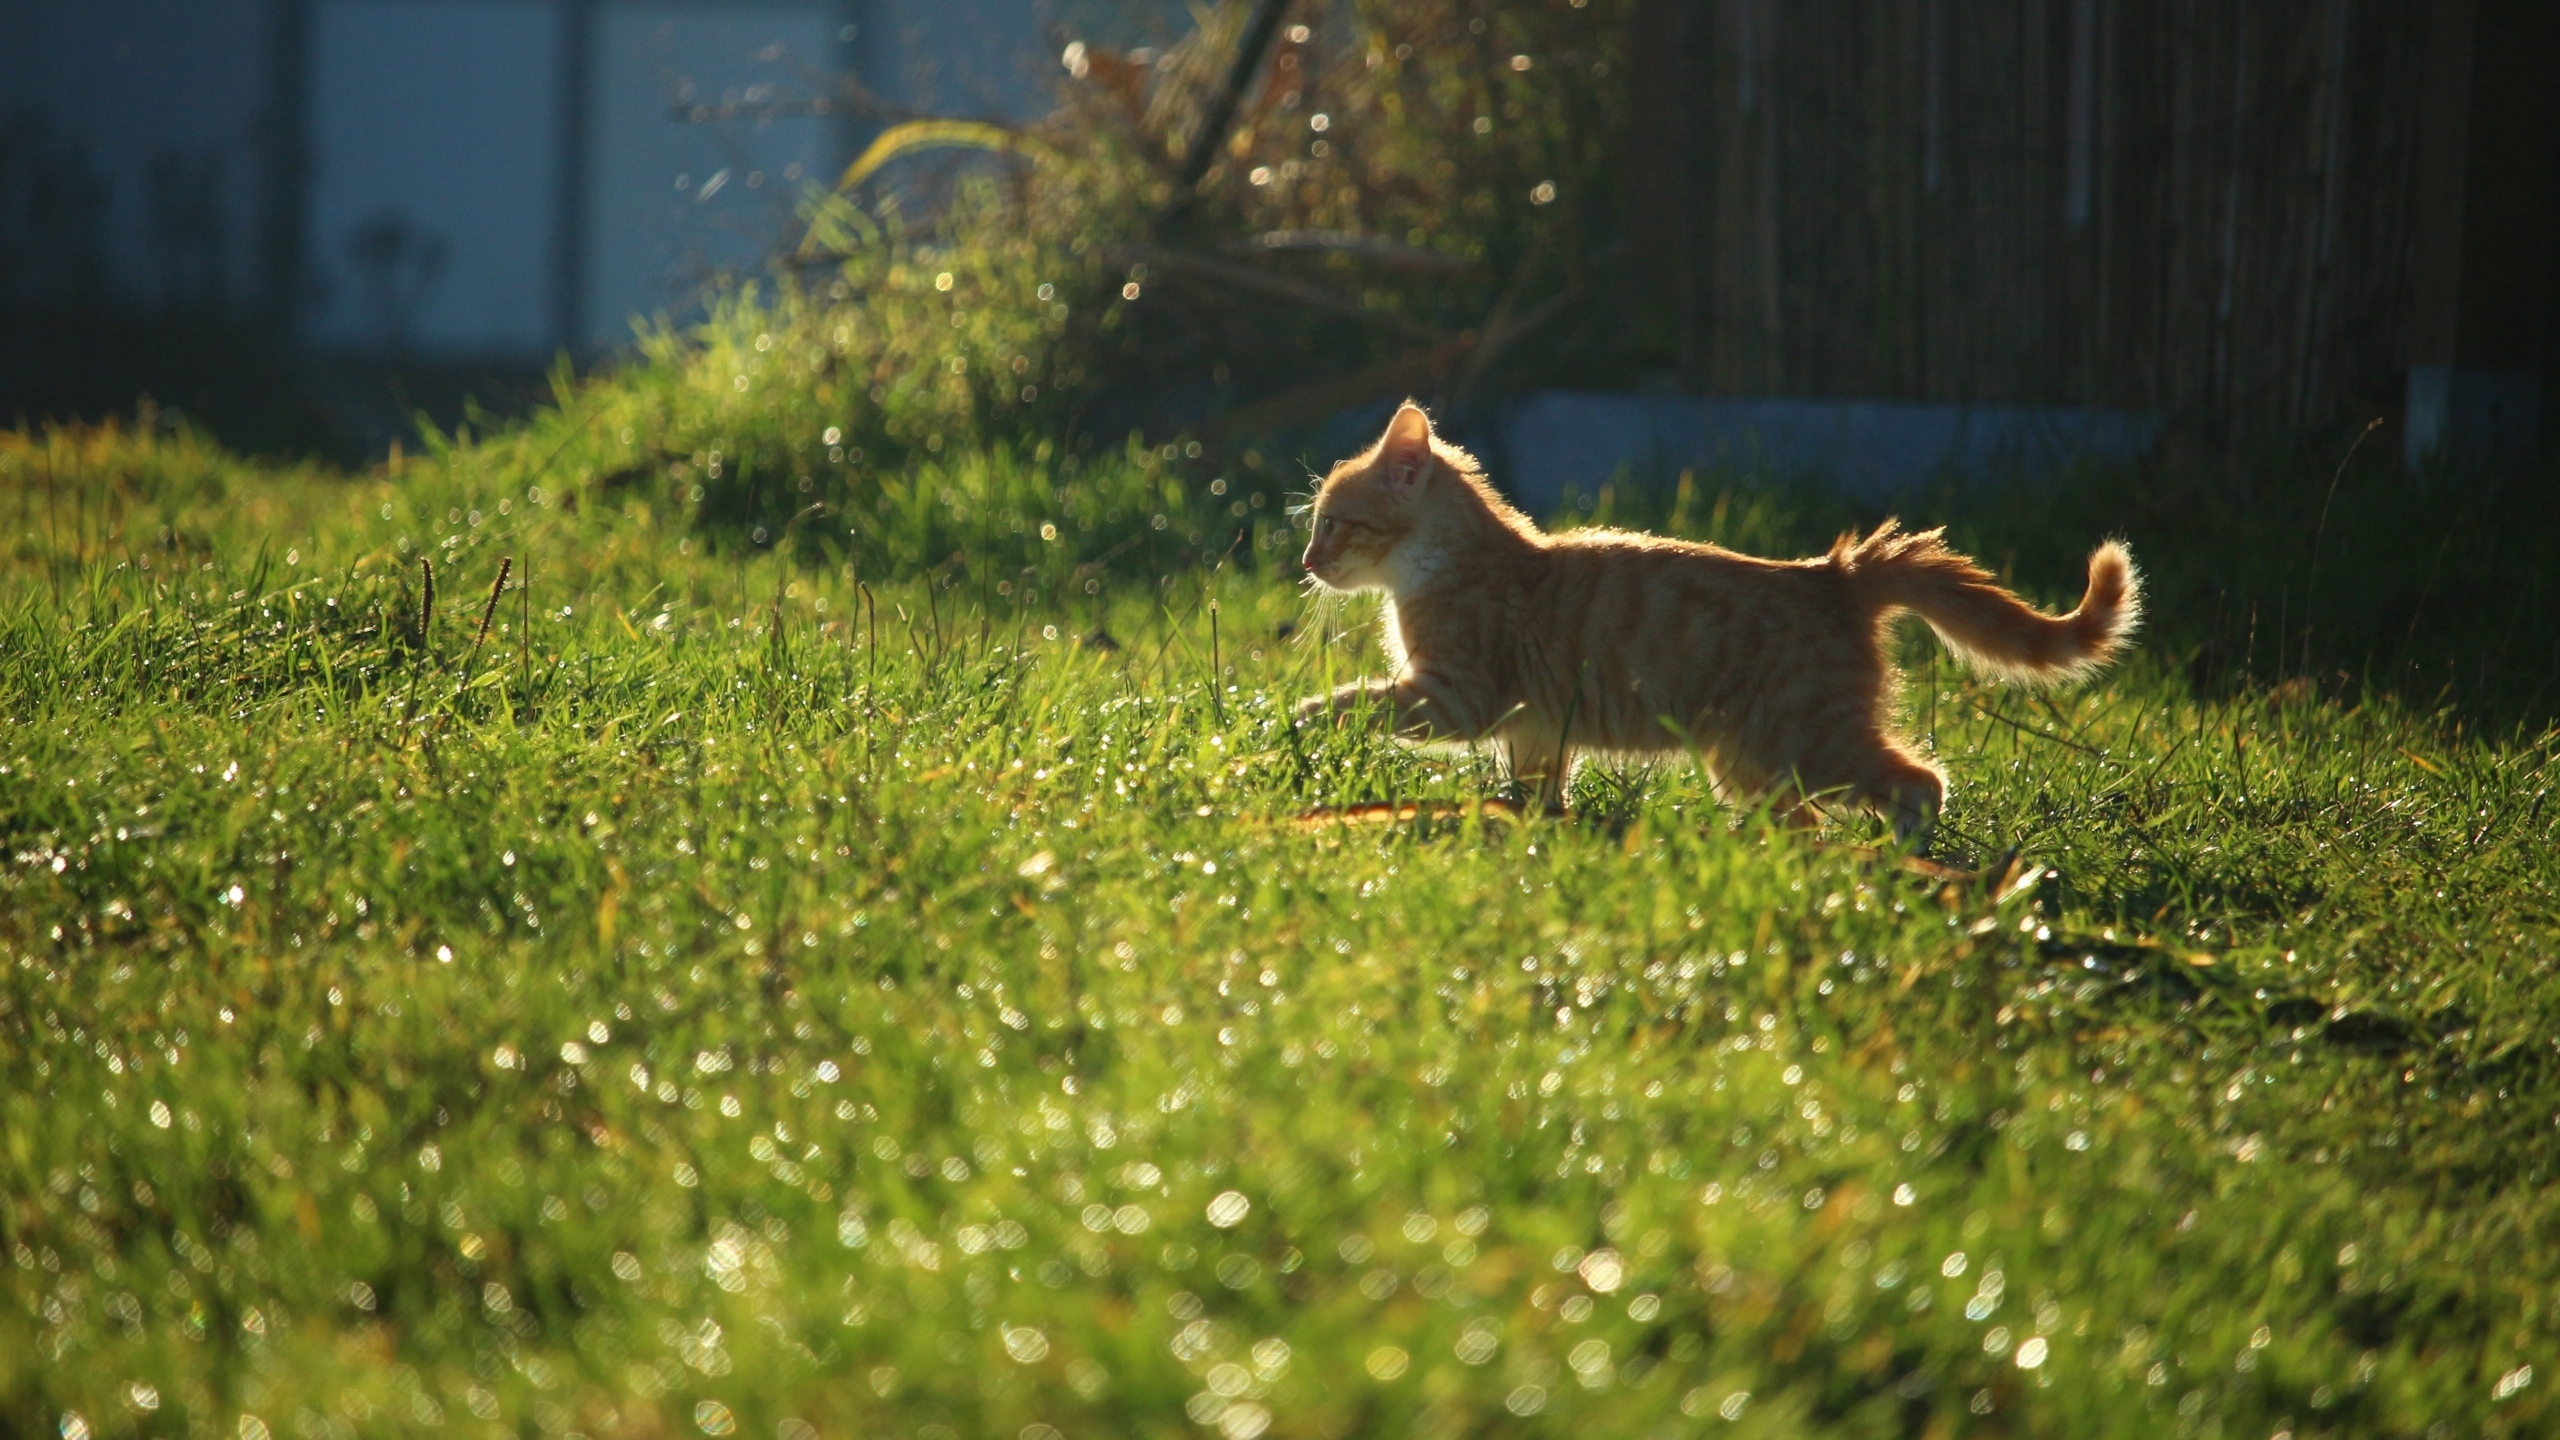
(730, 1000)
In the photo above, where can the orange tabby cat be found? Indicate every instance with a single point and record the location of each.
(1773, 673)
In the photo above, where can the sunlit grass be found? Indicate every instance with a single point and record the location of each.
(747, 991)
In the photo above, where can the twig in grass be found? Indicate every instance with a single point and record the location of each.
(871, 614)
(782, 544)
(2165, 757)
(574, 432)
(2025, 729)
(1172, 631)
(2240, 761)
(524, 642)
(913, 638)
(2053, 708)
(426, 627)
(426, 601)
(471, 660)
(488, 612)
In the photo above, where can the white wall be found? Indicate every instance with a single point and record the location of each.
(448, 110)
(979, 59)
(131, 81)
(672, 200)
(443, 111)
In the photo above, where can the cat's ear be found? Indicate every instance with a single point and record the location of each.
(1404, 456)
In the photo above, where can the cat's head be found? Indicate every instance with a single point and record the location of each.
(1373, 503)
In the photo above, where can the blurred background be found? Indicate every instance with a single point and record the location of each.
(1880, 238)
(299, 217)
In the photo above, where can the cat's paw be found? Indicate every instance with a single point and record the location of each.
(1316, 708)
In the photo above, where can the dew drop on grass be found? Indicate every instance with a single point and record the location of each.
(1590, 1361)
(1602, 1270)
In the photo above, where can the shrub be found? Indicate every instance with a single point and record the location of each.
(1392, 187)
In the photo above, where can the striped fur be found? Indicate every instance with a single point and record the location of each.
(1772, 673)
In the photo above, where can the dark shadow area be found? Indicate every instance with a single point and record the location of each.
(76, 347)
(2297, 568)
(91, 362)
(236, 382)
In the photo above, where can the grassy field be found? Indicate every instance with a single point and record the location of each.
(820, 989)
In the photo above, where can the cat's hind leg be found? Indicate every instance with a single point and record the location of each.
(1542, 765)
(1901, 787)
(1865, 767)
(1741, 787)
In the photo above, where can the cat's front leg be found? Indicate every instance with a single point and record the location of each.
(1412, 707)
(1344, 700)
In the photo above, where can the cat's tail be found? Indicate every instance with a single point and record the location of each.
(1991, 629)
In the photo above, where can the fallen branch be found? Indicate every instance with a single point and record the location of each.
(1393, 253)
(1279, 287)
